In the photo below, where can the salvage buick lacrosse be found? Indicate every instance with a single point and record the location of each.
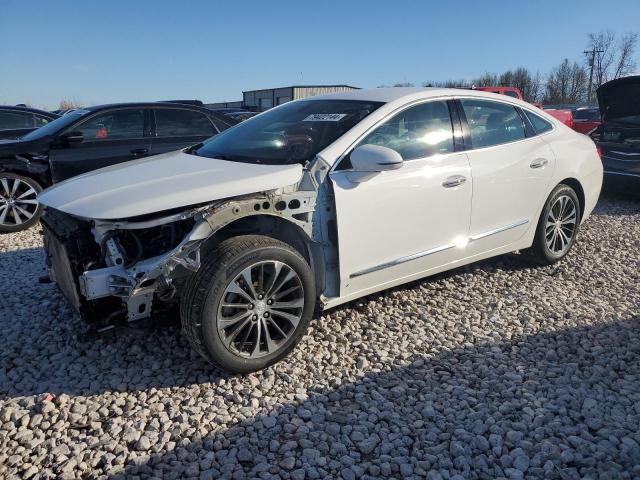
(314, 203)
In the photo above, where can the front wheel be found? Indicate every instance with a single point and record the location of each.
(19, 208)
(557, 227)
(249, 304)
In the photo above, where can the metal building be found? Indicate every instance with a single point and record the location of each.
(261, 100)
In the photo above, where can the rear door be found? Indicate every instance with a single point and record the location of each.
(176, 128)
(511, 167)
(110, 137)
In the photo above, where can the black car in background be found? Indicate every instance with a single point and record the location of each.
(17, 121)
(91, 138)
(618, 136)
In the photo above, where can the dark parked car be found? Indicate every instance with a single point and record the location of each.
(17, 121)
(618, 136)
(91, 138)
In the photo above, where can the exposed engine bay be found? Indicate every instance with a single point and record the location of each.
(134, 267)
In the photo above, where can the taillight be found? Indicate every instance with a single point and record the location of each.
(599, 148)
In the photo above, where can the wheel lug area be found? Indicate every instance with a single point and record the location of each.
(269, 302)
(266, 315)
(251, 306)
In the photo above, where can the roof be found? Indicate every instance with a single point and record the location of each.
(29, 109)
(301, 86)
(392, 94)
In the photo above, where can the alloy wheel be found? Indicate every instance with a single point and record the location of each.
(18, 202)
(560, 226)
(260, 309)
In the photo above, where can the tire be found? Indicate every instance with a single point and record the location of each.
(563, 203)
(19, 209)
(209, 302)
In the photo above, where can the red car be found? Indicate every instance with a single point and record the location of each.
(565, 116)
(508, 91)
(586, 119)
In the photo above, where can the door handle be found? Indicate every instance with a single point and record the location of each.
(539, 163)
(139, 151)
(454, 181)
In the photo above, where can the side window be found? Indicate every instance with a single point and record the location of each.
(10, 120)
(540, 125)
(40, 121)
(492, 123)
(182, 123)
(114, 125)
(416, 132)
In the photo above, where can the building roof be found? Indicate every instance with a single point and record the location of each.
(301, 86)
(392, 94)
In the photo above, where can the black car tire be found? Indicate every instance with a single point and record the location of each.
(202, 298)
(24, 184)
(541, 252)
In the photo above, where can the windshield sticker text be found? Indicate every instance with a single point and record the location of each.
(325, 117)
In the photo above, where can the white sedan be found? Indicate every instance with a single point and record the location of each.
(316, 202)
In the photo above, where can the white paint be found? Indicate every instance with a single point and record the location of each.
(163, 182)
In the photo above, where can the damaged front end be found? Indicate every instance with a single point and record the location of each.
(131, 268)
(121, 268)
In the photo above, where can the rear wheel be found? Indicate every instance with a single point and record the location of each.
(557, 227)
(19, 208)
(249, 304)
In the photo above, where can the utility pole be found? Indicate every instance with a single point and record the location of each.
(591, 62)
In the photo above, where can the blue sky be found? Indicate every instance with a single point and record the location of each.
(107, 51)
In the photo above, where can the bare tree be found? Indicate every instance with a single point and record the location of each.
(567, 83)
(528, 83)
(614, 57)
(67, 104)
(625, 63)
(486, 80)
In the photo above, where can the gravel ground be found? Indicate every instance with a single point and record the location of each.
(494, 370)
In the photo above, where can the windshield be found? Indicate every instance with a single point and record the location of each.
(292, 133)
(55, 126)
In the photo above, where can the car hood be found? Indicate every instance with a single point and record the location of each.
(162, 182)
(619, 98)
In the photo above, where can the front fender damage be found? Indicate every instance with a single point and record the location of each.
(137, 285)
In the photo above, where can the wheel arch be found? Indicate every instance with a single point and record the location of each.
(277, 227)
(577, 187)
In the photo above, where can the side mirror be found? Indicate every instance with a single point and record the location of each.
(72, 137)
(369, 160)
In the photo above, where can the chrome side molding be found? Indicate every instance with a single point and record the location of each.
(415, 256)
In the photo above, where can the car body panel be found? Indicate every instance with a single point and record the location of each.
(162, 182)
(411, 200)
(505, 172)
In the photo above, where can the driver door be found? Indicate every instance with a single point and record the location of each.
(403, 223)
(110, 137)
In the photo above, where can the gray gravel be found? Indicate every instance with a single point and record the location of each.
(498, 370)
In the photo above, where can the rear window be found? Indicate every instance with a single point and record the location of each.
(540, 125)
(587, 115)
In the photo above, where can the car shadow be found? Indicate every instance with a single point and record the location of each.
(554, 392)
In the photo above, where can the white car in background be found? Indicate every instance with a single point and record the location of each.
(316, 202)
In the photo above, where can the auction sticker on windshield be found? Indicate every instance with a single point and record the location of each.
(325, 117)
